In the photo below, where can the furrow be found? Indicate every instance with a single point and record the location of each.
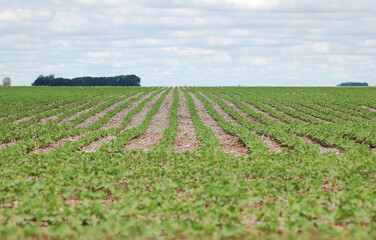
(11, 143)
(117, 120)
(92, 119)
(228, 142)
(221, 111)
(369, 108)
(187, 139)
(45, 120)
(31, 116)
(323, 149)
(154, 133)
(281, 112)
(53, 146)
(241, 112)
(262, 112)
(76, 115)
(140, 116)
(293, 109)
(274, 145)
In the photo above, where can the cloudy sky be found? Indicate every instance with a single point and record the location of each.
(197, 42)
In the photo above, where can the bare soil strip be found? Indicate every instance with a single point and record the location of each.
(76, 115)
(92, 119)
(262, 112)
(228, 142)
(241, 112)
(187, 139)
(45, 120)
(274, 145)
(53, 146)
(153, 135)
(335, 110)
(94, 146)
(61, 142)
(11, 143)
(116, 120)
(293, 109)
(221, 111)
(31, 116)
(323, 149)
(369, 108)
(281, 112)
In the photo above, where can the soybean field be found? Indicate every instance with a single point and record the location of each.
(187, 162)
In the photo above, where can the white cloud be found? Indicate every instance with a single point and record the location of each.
(258, 61)
(283, 42)
(103, 54)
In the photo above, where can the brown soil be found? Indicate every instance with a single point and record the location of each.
(281, 112)
(228, 142)
(11, 143)
(274, 145)
(293, 109)
(140, 116)
(45, 120)
(323, 149)
(262, 112)
(369, 108)
(76, 115)
(221, 111)
(331, 109)
(153, 135)
(92, 119)
(117, 120)
(56, 144)
(241, 112)
(31, 116)
(187, 139)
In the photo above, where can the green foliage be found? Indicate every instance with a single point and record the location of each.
(202, 194)
(122, 80)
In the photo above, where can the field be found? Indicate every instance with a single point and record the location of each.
(191, 162)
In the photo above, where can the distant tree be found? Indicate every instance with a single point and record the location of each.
(122, 80)
(358, 84)
(7, 82)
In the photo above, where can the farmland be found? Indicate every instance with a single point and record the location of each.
(191, 162)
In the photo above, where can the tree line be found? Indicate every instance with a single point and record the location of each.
(122, 80)
(349, 84)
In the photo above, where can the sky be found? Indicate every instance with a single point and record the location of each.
(193, 43)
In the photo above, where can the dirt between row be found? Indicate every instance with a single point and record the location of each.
(273, 145)
(11, 143)
(369, 108)
(228, 142)
(187, 138)
(338, 111)
(262, 112)
(31, 116)
(54, 117)
(153, 135)
(62, 141)
(94, 146)
(323, 149)
(92, 119)
(293, 109)
(77, 114)
(281, 112)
